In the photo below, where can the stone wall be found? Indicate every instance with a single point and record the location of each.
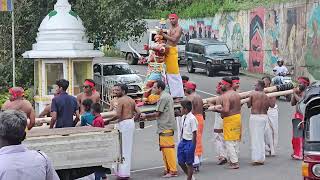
(260, 36)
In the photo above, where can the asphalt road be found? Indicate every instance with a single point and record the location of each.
(147, 159)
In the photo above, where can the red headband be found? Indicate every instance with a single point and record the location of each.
(190, 85)
(236, 81)
(173, 15)
(303, 81)
(225, 82)
(91, 84)
(16, 92)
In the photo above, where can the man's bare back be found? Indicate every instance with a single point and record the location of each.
(126, 108)
(231, 103)
(259, 102)
(95, 97)
(21, 105)
(197, 103)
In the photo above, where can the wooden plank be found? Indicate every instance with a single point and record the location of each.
(80, 149)
(36, 132)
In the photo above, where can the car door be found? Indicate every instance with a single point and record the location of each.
(196, 60)
(201, 57)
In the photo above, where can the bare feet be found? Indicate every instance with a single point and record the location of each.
(233, 166)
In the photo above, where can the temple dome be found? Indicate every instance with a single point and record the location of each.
(62, 35)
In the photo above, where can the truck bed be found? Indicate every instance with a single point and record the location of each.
(77, 147)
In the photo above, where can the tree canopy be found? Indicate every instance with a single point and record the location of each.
(106, 22)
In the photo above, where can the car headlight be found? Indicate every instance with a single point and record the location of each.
(236, 61)
(316, 170)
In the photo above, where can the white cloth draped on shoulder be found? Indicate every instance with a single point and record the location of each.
(126, 127)
(257, 125)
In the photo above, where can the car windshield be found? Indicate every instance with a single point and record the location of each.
(217, 48)
(117, 69)
(313, 133)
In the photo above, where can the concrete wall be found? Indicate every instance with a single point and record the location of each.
(261, 35)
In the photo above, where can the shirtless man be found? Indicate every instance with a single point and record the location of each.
(17, 102)
(236, 83)
(171, 60)
(197, 111)
(230, 110)
(259, 104)
(127, 111)
(271, 131)
(114, 101)
(88, 93)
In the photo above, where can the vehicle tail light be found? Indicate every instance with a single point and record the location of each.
(305, 169)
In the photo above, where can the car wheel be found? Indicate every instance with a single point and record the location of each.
(190, 66)
(235, 72)
(131, 60)
(209, 70)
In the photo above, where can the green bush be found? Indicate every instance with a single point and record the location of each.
(3, 98)
(110, 51)
(207, 8)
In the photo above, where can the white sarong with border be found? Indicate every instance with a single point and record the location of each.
(257, 125)
(127, 128)
(272, 130)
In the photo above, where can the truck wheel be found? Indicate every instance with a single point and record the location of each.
(131, 60)
(190, 66)
(235, 72)
(209, 70)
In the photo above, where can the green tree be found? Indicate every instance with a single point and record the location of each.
(106, 22)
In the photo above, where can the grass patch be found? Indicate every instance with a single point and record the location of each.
(110, 51)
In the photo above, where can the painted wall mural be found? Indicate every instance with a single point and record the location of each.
(272, 26)
(312, 55)
(256, 37)
(259, 37)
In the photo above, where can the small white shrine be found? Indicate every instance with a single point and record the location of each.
(61, 51)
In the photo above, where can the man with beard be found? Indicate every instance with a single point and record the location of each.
(17, 102)
(127, 112)
(89, 92)
(166, 127)
(230, 110)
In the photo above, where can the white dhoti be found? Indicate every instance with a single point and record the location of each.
(233, 149)
(218, 137)
(175, 85)
(257, 125)
(271, 132)
(126, 127)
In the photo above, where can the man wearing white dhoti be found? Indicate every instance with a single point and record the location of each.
(271, 131)
(127, 111)
(259, 104)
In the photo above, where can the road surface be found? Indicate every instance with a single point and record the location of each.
(147, 159)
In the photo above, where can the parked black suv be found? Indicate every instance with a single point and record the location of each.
(210, 55)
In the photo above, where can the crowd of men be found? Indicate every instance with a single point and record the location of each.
(189, 122)
(84, 110)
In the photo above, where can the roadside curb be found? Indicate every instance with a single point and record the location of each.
(253, 75)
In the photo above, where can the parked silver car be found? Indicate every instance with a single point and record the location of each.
(107, 74)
